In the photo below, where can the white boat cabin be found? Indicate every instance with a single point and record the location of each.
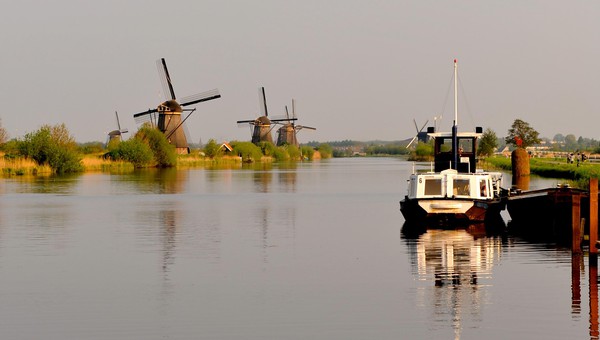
(452, 184)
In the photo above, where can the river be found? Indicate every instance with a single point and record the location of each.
(306, 251)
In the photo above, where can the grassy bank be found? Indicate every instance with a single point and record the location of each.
(552, 168)
(97, 163)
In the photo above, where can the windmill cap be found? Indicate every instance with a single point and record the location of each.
(170, 105)
(263, 120)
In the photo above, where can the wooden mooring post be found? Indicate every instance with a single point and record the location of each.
(593, 215)
(577, 223)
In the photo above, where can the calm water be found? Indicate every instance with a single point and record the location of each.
(308, 252)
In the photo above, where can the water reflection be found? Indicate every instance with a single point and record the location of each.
(158, 181)
(458, 264)
(577, 269)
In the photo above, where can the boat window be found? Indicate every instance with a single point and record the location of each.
(466, 145)
(446, 145)
(461, 187)
(433, 186)
(483, 190)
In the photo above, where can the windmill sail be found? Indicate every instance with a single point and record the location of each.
(165, 79)
(200, 97)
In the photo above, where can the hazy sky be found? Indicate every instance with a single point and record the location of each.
(358, 70)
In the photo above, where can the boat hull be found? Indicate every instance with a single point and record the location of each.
(450, 211)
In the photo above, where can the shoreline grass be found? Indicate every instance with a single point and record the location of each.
(552, 168)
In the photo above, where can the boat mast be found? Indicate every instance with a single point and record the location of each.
(455, 125)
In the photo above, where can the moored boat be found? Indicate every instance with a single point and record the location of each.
(456, 191)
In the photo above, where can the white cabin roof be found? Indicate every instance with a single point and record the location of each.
(459, 134)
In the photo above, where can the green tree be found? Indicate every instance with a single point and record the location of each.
(54, 146)
(522, 135)
(488, 143)
(571, 142)
(559, 138)
(212, 149)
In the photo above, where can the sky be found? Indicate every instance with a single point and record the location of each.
(360, 70)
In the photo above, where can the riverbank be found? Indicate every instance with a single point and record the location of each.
(578, 174)
(97, 163)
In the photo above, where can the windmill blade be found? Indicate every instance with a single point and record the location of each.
(143, 117)
(411, 141)
(144, 113)
(416, 127)
(282, 120)
(165, 79)
(287, 114)
(299, 127)
(422, 127)
(200, 97)
(246, 121)
(118, 123)
(263, 102)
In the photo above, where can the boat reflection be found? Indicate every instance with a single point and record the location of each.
(489, 228)
(458, 264)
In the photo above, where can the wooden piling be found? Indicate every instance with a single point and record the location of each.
(593, 286)
(593, 215)
(576, 223)
(520, 168)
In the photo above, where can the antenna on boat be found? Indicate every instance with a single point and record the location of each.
(455, 125)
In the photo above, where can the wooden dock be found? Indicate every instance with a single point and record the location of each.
(563, 214)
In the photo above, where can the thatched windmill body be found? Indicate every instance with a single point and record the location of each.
(116, 135)
(168, 116)
(287, 134)
(262, 126)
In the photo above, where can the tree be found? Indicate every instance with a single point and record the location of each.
(212, 149)
(571, 142)
(3, 134)
(521, 135)
(559, 138)
(488, 143)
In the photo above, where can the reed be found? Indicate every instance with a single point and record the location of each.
(21, 167)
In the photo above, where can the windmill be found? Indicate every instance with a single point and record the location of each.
(116, 134)
(420, 136)
(261, 131)
(168, 115)
(287, 133)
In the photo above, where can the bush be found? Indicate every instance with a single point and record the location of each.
(91, 147)
(164, 153)
(134, 151)
(325, 150)
(267, 149)
(293, 151)
(307, 152)
(280, 154)
(212, 149)
(54, 146)
(247, 150)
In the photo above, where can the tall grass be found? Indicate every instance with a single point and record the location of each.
(553, 168)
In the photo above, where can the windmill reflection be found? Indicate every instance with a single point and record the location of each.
(456, 262)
